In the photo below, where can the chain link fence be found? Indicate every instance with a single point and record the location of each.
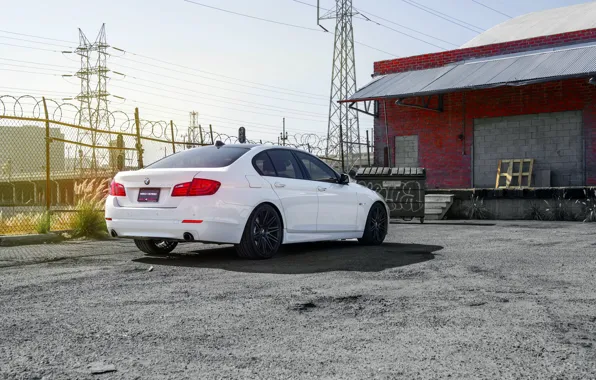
(53, 156)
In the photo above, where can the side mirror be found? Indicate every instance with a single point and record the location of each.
(344, 179)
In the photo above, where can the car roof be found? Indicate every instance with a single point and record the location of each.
(263, 146)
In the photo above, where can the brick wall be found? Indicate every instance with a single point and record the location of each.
(553, 139)
(447, 158)
(426, 61)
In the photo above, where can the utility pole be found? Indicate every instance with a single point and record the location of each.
(283, 136)
(343, 85)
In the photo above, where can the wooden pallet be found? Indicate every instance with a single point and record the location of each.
(515, 180)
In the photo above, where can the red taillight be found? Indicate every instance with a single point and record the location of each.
(117, 189)
(198, 186)
(181, 190)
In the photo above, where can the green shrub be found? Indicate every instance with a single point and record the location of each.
(89, 221)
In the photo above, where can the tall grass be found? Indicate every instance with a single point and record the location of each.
(89, 221)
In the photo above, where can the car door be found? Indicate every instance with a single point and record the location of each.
(298, 197)
(338, 204)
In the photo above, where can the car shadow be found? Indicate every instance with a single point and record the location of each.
(306, 258)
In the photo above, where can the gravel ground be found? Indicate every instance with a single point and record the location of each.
(513, 300)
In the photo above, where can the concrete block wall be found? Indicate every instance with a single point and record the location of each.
(406, 151)
(447, 157)
(554, 140)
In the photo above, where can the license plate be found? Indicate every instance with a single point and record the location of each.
(148, 195)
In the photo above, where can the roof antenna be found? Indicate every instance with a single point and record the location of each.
(219, 144)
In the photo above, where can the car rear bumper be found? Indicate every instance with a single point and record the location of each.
(223, 223)
(213, 232)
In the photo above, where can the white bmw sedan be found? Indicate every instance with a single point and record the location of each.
(252, 196)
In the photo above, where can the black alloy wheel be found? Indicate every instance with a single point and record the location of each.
(262, 235)
(376, 227)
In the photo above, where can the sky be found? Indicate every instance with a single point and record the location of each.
(233, 70)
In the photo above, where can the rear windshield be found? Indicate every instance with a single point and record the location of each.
(202, 157)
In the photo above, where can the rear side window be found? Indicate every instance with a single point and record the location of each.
(203, 157)
(285, 164)
(263, 165)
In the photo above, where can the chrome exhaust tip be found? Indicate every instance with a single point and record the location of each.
(113, 233)
(188, 236)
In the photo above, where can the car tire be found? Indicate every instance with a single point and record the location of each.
(376, 227)
(156, 247)
(263, 234)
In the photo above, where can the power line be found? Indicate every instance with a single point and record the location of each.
(182, 113)
(30, 72)
(205, 77)
(37, 63)
(157, 60)
(405, 27)
(364, 13)
(29, 47)
(282, 23)
(29, 67)
(214, 105)
(35, 42)
(38, 91)
(267, 107)
(221, 88)
(56, 75)
(240, 122)
(406, 34)
(254, 17)
(492, 9)
(443, 16)
(43, 38)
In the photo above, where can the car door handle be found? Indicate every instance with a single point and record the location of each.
(320, 188)
(277, 184)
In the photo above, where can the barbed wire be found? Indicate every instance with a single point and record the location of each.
(165, 131)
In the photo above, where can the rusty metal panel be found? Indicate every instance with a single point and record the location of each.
(533, 66)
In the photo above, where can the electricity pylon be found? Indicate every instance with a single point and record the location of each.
(195, 132)
(93, 98)
(343, 130)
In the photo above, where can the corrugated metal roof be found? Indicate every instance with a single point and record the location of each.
(536, 24)
(514, 69)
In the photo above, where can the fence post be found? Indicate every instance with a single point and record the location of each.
(341, 148)
(211, 133)
(139, 144)
(367, 148)
(172, 130)
(48, 184)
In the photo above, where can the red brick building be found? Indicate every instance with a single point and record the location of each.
(527, 94)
